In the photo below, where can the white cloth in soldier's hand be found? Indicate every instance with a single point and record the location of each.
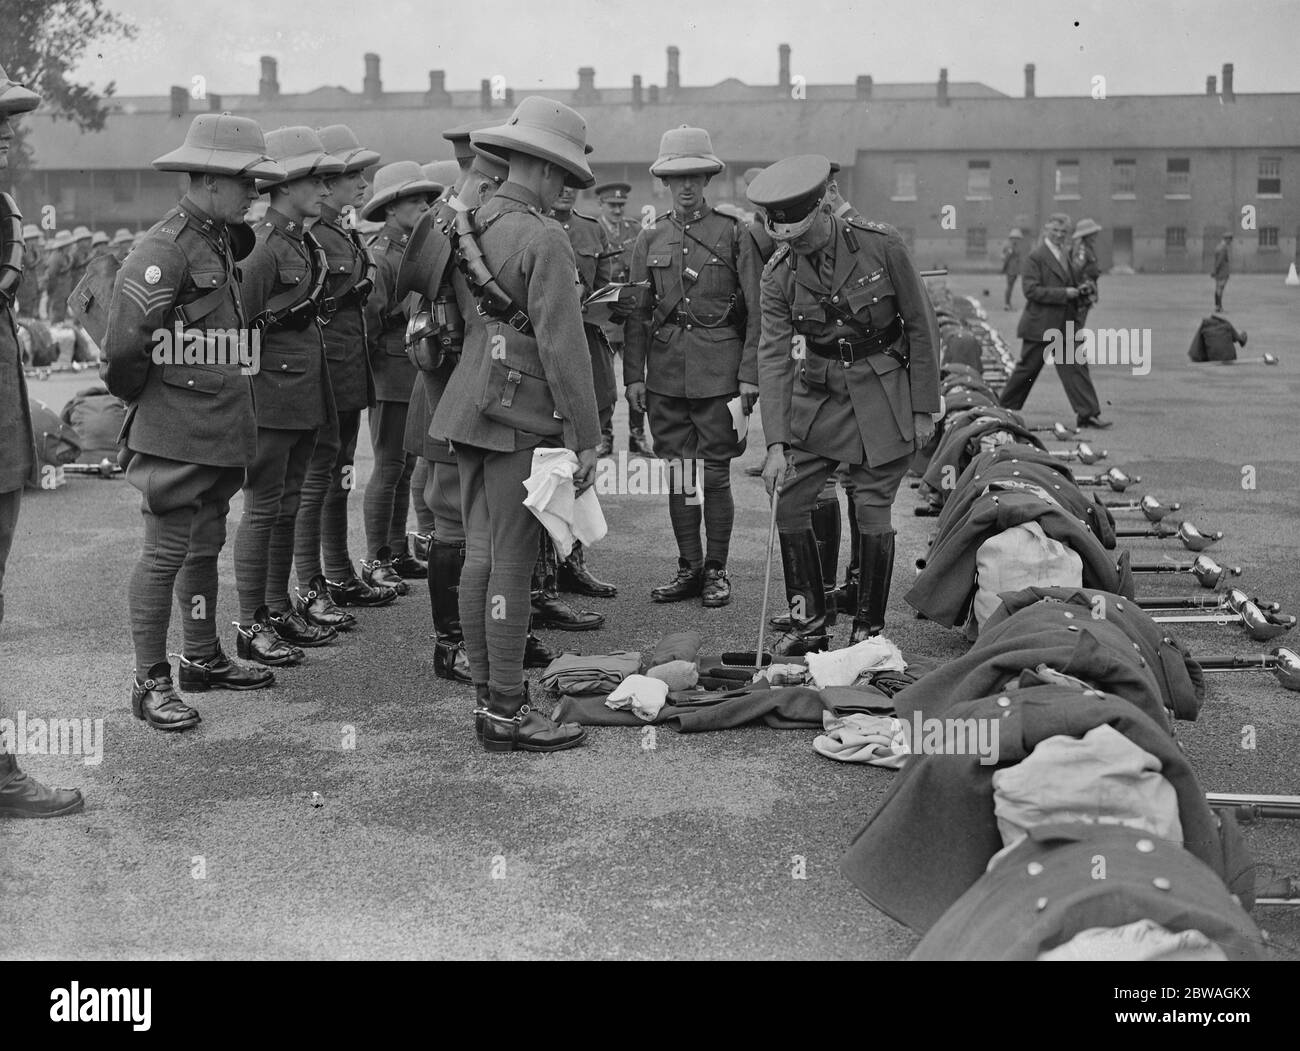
(551, 498)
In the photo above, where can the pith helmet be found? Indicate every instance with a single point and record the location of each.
(81, 233)
(299, 152)
(14, 98)
(542, 127)
(62, 239)
(222, 144)
(339, 141)
(99, 238)
(459, 138)
(686, 151)
(394, 181)
(444, 173)
(122, 236)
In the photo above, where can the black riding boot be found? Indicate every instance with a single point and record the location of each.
(807, 598)
(449, 659)
(549, 609)
(826, 528)
(876, 569)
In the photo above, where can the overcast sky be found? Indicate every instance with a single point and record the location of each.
(1140, 46)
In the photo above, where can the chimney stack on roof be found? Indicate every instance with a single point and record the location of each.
(864, 87)
(268, 88)
(587, 92)
(1228, 94)
(1211, 85)
(636, 91)
(943, 87)
(180, 102)
(437, 94)
(674, 70)
(654, 94)
(1029, 80)
(372, 87)
(783, 71)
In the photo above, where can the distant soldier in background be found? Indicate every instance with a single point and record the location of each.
(78, 255)
(58, 276)
(283, 279)
(191, 430)
(326, 578)
(691, 349)
(402, 194)
(99, 246)
(29, 292)
(621, 233)
(121, 243)
(1011, 263)
(1222, 268)
(20, 796)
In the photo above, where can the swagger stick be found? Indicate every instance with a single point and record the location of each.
(767, 579)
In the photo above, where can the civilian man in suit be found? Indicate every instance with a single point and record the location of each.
(1051, 290)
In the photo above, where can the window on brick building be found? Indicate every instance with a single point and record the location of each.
(977, 242)
(1067, 180)
(1175, 238)
(1268, 239)
(904, 180)
(979, 185)
(1269, 183)
(1123, 178)
(1178, 177)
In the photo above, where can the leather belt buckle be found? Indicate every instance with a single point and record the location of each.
(845, 349)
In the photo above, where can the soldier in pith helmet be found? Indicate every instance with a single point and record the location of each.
(191, 428)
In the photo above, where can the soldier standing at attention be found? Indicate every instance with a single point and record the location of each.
(20, 796)
(592, 251)
(121, 243)
(326, 578)
(526, 363)
(621, 233)
(282, 282)
(191, 430)
(691, 348)
(849, 372)
(402, 194)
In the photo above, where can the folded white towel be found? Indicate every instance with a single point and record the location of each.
(842, 667)
(642, 694)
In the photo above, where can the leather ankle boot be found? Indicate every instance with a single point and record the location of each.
(803, 588)
(157, 703)
(408, 566)
(220, 672)
(379, 572)
(449, 658)
(575, 577)
(877, 569)
(549, 609)
(689, 583)
(536, 653)
(715, 591)
(637, 443)
(316, 607)
(297, 631)
(511, 725)
(353, 591)
(23, 796)
(481, 697)
(258, 642)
